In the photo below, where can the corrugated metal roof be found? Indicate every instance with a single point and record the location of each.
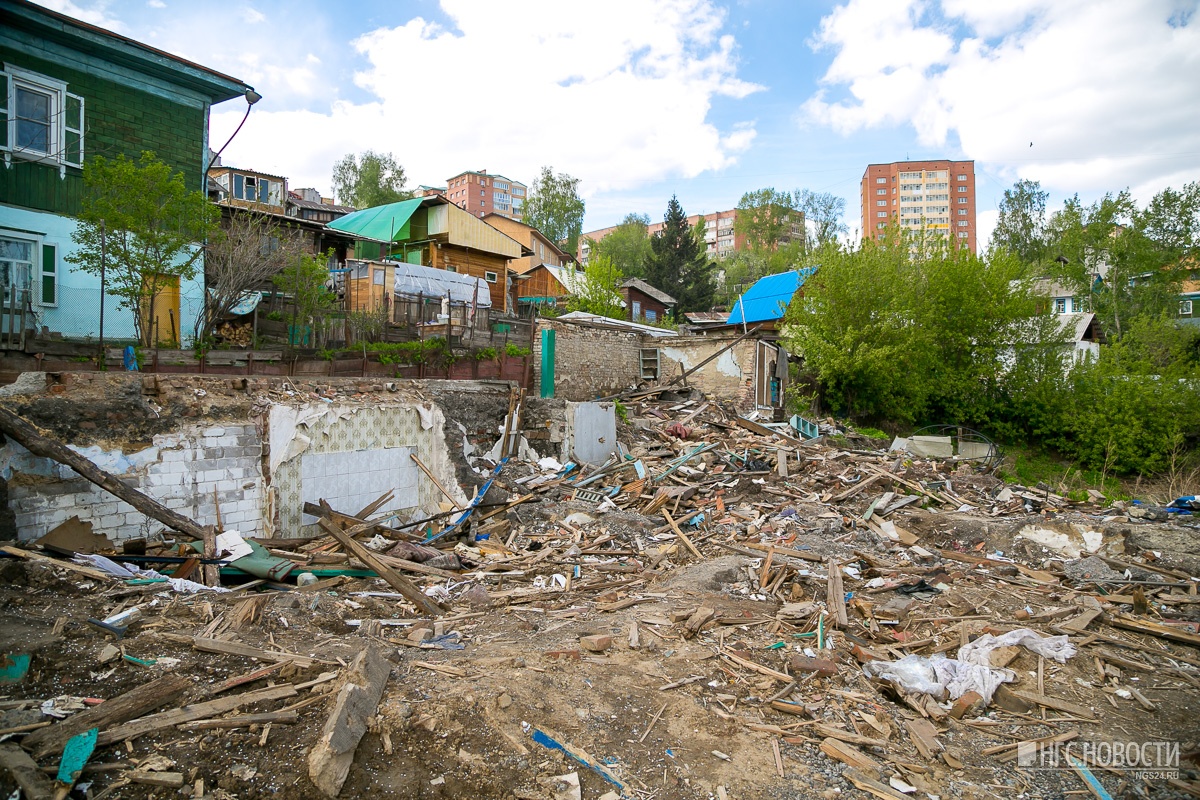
(768, 298)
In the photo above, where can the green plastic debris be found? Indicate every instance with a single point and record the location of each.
(13, 667)
(75, 756)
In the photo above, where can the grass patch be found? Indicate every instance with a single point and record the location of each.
(1030, 467)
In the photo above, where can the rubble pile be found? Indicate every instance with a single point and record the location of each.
(720, 609)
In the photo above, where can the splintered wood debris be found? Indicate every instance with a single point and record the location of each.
(719, 609)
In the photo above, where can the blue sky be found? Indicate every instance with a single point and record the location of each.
(705, 99)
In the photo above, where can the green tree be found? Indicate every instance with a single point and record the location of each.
(765, 218)
(823, 214)
(1126, 261)
(627, 245)
(594, 289)
(141, 227)
(555, 208)
(303, 282)
(1021, 228)
(369, 180)
(678, 264)
(939, 344)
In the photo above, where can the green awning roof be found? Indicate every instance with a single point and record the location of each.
(382, 223)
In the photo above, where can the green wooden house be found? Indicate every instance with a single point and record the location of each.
(69, 91)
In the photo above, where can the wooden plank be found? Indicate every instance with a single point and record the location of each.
(207, 645)
(1155, 629)
(849, 755)
(868, 784)
(680, 534)
(423, 602)
(95, 574)
(114, 711)
(330, 758)
(1065, 706)
(243, 721)
(835, 594)
(178, 716)
(446, 492)
(24, 770)
(850, 737)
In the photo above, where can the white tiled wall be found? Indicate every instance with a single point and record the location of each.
(351, 481)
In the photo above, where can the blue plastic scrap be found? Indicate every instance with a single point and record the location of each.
(474, 504)
(550, 743)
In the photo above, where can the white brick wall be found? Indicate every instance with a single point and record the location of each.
(181, 470)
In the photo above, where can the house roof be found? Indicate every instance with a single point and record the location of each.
(61, 29)
(300, 202)
(1075, 325)
(768, 298)
(620, 324)
(382, 223)
(650, 291)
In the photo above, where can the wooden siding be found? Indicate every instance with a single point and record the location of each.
(475, 263)
(541, 283)
(118, 120)
(471, 232)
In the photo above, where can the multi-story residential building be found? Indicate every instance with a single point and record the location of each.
(70, 90)
(936, 196)
(481, 194)
(719, 237)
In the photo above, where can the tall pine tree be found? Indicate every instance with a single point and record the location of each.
(678, 263)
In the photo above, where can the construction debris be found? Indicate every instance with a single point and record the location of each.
(719, 609)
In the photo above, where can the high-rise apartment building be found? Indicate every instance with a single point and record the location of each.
(935, 196)
(481, 194)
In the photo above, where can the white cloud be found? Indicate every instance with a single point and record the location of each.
(616, 94)
(1105, 90)
(156, 4)
(252, 16)
(93, 15)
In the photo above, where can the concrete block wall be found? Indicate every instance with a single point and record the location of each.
(191, 471)
(590, 361)
(729, 377)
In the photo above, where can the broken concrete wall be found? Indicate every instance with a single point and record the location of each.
(350, 455)
(259, 448)
(589, 361)
(729, 377)
(191, 471)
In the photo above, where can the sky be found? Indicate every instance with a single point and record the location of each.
(703, 99)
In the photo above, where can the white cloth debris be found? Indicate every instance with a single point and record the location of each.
(949, 678)
(1058, 648)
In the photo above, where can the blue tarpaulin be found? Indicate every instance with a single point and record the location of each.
(768, 298)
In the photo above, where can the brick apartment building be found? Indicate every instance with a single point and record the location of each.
(719, 238)
(481, 194)
(932, 195)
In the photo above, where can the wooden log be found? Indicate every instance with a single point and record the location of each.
(404, 586)
(330, 758)
(169, 780)
(24, 770)
(835, 594)
(40, 445)
(122, 708)
(243, 721)
(178, 716)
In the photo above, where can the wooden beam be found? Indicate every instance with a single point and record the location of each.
(423, 602)
(330, 759)
(40, 445)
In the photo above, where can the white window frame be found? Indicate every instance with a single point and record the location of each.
(491, 277)
(1185, 308)
(61, 129)
(34, 283)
